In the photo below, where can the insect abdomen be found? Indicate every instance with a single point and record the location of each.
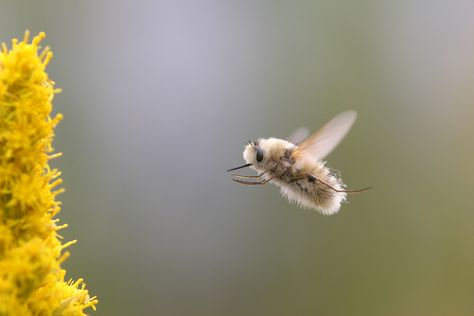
(316, 190)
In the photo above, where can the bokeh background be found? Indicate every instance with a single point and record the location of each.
(161, 96)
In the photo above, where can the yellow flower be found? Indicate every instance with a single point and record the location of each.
(31, 279)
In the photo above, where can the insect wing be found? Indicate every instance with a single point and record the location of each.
(321, 143)
(298, 136)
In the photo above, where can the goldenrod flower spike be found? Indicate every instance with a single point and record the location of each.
(31, 279)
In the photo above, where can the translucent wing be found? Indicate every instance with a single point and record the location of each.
(321, 143)
(298, 136)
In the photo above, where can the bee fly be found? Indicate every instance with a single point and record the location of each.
(299, 170)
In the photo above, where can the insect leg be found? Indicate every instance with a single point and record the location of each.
(245, 176)
(262, 182)
(336, 190)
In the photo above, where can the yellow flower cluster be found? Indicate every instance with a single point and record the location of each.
(31, 279)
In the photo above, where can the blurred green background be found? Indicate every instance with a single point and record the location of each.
(161, 96)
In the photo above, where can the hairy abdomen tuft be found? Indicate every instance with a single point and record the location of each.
(317, 190)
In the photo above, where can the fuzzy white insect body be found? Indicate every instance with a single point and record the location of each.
(300, 183)
(299, 170)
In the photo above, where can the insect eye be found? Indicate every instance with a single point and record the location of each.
(259, 155)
